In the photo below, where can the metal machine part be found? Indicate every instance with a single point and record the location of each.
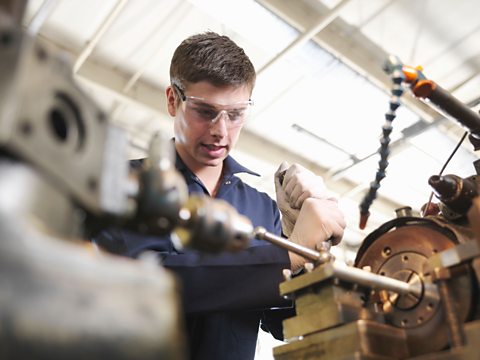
(212, 226)
(46, 120)
(332, 320)
(401, 253)
(428, 89)
(473, 215)
(315, 256)
(61, 161)
(422, 88)
(66, 300)
(431, 250)
(64, 174)
(454, 193)
(340, 270)
(412, 293)
(427, 305)
(162, 190)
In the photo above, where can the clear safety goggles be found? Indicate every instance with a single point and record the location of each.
(198, 110)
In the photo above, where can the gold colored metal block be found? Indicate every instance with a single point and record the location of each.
(326, 317)
(361, 339)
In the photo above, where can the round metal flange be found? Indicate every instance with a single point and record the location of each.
(407, 311)
(401, 253)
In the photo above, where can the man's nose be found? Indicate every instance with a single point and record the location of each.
(219, 125)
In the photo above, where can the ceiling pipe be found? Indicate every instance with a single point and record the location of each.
(42, 14)
(98, 35)
(309, 34)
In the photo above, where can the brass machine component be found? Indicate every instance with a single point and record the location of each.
(331, 320)
(410, 295)
(402, 254)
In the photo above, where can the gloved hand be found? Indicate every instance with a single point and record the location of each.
(318, 221)
(294, 184)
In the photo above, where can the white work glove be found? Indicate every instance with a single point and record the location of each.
(318, 221)
(298, 184)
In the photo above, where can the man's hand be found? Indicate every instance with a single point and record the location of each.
(318, 221)
(294, 184)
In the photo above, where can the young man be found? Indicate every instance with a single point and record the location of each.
(226, 295)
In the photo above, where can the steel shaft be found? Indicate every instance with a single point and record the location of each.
(342, 271)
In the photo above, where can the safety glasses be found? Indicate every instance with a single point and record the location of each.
(198, 110)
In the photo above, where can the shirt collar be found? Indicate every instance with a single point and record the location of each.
(232, 167)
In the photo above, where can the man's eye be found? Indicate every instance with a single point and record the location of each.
(236, 115)
(207, 114)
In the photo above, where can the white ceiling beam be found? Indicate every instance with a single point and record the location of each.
(42, 14)
(376, 13)
(106, 24)
(308, 34)
(114, 79)
(174, 17)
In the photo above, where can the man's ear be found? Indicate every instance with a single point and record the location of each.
(170, 93)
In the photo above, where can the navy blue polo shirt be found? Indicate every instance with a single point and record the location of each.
(224, 296)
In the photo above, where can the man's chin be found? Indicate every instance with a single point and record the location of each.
(214, 162)
(214, 159)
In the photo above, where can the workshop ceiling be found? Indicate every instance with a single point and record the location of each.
(321, 92)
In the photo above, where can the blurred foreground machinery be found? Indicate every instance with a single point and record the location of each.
(414, 290)
(63, 176)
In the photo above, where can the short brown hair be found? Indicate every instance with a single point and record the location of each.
(211, 57)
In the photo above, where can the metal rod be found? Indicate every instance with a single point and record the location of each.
(342, 271)
(261, 233)
(375, 281)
